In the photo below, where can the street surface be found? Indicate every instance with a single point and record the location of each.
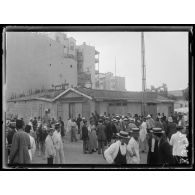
(73, 152)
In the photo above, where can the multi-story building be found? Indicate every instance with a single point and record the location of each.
(36, 61)
(39, 61)
(87, 58)
(108, 81)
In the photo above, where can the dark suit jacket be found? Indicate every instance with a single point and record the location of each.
(165, 153)
(85, 133)
(19, 150)
(152, 158)
(101, 133)
(171, 129)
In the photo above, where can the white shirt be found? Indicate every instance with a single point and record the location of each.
(57, 139)
(111, 152)
(133, 156)
(32, 147)
(143, 131)
(179, 142)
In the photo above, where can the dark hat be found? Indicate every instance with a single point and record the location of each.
(157, 130)
(19, 124)
(57, 125)
(84, 120)
(100, 120)
(123, 134)
(179, 128)
(27, 128)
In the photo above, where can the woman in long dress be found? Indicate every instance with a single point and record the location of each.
(92, 137)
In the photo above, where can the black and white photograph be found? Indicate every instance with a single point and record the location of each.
(93, 97)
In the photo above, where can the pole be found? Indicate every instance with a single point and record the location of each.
(143, 73)
(98, 71)
(115, 72)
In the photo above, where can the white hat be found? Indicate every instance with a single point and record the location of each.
(148, 116)
(170, 119)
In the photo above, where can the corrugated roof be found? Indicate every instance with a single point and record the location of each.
(98, 95)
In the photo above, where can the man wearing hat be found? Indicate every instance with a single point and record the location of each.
(50, 151)
(133, 156)
(165, 156)
(116, 153)
(58, 145)
(85, 136)
(143, 136)
(101, 136)
(150, 122)
(132, 124)
(20, 145)
(179, 142)
(10, 134)
(152, 158)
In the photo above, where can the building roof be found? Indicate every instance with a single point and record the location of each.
(97, 95)
(176, 93)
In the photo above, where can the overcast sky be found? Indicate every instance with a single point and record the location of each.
(166, 55)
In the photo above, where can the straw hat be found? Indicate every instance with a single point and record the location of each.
(123, 134)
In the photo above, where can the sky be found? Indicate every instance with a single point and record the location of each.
(166, 56)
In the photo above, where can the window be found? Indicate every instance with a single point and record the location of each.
(181, 105)
(70, 66)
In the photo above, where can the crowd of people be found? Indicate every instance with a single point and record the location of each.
(120, 139)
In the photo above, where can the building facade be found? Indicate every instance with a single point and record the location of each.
(108, 81)
(73, 101)
(35, 61)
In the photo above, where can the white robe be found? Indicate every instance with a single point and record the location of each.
(58, 144)
(133, 156)
(143, 131)
(111, 153)
(32, 149)
(49, 147)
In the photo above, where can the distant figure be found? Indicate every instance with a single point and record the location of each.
(85, 136)
(20, 145)
(79, 119)
(50, 151)
(73, 130)
(101, 136)
(58, 145)
(171, 128)
(62, 129)
(92, 146)
(143, 136)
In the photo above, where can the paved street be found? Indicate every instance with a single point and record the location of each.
(74, 155)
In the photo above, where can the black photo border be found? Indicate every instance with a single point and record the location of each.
(105, 28)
